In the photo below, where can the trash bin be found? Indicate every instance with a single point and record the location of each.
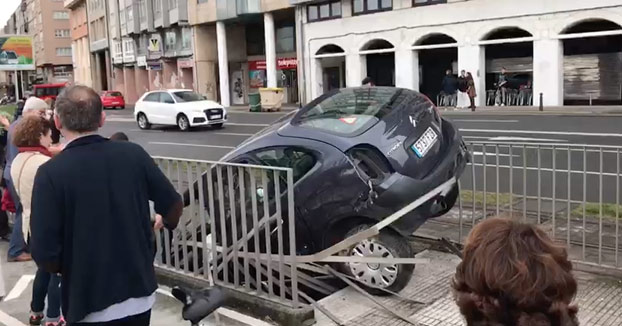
(271, 98)
(255, 102)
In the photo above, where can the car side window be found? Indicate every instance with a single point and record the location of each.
(153, 97)
(301, 161)
(166, 98)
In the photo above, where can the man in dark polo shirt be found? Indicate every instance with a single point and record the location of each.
(90, 218)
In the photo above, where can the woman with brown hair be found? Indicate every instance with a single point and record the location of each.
(33, 138)
(471, 91)
(513, 274)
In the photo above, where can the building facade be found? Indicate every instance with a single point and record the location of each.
(242, 46)
(101, 69)
(570, 51)
(52, 38)
(80, 44)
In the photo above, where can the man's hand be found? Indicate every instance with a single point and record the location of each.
(158, 225)
(4, 121)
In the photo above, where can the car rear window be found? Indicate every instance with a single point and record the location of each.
(113, 94)
(349, 112)
(188, 96)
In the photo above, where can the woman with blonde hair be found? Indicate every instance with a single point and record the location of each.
(513, 274)
(33, 138)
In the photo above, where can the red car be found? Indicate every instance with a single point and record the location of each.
(113, 100)
(45, 91)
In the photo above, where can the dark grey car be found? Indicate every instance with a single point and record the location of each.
(359, 155)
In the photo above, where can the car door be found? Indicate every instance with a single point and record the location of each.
(149, 106)
(166, 109)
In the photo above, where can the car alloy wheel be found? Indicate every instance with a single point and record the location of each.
(183, 123)
(143, 123)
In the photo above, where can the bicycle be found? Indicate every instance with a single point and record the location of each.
(198, 305)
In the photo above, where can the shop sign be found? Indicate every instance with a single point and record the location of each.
(281, 64)
(141, 61)
(155, 66)
(155, 44)
(185, 63)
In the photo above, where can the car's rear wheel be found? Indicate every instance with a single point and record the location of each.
(375, 277)
(183, 123)
(143, 122)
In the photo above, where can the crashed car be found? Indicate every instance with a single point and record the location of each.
(359, 155)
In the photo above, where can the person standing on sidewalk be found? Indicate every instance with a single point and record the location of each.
(17, 246)
(33, 138)
(471, 91)
(462, 89)
(90, 218)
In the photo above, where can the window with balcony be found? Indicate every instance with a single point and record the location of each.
(170, 43)
(142, 11)
(417, 3)
(323, 11)
(62, 33)
(186, 38)
(172, 4)
(63, 52)
(361, 7)
(157, 9)
(122, 19)
(130, 14)
(128, 47)
(61, 15)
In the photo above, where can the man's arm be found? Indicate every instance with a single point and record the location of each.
(46, 224)
(167, 202)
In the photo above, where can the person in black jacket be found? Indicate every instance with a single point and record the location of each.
(90, 218)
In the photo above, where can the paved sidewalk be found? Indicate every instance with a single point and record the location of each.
(532, 110)
(599, 299)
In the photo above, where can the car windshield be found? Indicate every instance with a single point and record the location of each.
(47, 91)
(188, 96)
(350, 111)
(113, 94)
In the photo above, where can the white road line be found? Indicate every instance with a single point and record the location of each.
(484, 120)
(246, 124)
(120, 120)
(540, 132)
(528, 139)
(19, 287)
(233, 134)
(7, 320)
(191, 145)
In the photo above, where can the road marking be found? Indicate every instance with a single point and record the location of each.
(7, 320)
(484, 120)
(247, 124)
(190, 145)
(19, 287)
(233, 134)
(540, 132)
(120, 119)
(527, 139)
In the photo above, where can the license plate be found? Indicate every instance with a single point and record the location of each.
(115, 103)
(215, 117)
(425, 142)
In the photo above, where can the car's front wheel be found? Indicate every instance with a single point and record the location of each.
(143, 122)
(218, 126)
(183, 123)
(378, 277)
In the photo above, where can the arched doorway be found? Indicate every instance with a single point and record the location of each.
(380, 61)
(509, 66)
(437, 54)
(332, 63)
(592, 62)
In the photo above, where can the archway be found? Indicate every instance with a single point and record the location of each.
(509, 66)
(592, 62)
(332, 63)
(437, 54)
(380, 61)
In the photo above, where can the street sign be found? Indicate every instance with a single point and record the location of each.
(16, 53)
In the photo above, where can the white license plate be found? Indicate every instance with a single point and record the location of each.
(425, 142)
(215, 117)
(115, 103)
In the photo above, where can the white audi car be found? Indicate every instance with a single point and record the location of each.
(178, 107)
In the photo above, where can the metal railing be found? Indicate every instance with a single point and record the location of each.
(238, 229)
(572, 191)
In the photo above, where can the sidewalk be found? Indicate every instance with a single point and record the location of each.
(245, 108)
(533, 110)
(598, 298)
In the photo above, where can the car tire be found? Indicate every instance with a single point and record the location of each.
(218, 126)
(183, 123)
(388, 244)
(143, 122)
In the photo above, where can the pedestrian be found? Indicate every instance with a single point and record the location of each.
(5, 123)
(463, 97)
(33, 137)
(90, 218)
(50, 115)
(513, 274)
(449, 87)
(17, 246)
(368, 81)
(502, 84)
(471, 91)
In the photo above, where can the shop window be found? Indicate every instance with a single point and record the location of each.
(417, 3)
(285, 39)
(323, 11)
(255, 44)
(361, 7)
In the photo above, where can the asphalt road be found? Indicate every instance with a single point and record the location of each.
(542, 132)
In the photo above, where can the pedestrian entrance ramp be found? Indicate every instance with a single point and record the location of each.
(598, 298)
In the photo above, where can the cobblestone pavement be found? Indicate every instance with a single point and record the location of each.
(599, 299)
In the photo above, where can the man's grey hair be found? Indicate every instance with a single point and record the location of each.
(79, 109)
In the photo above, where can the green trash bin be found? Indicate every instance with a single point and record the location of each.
(255, 102)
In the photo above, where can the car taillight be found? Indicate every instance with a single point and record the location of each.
(369, 162)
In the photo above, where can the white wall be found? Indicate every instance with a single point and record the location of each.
(544, 19)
